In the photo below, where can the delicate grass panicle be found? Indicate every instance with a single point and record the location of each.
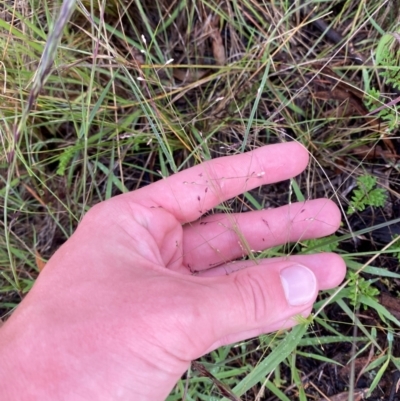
(101, 98)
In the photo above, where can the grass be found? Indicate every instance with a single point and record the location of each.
(140, 90)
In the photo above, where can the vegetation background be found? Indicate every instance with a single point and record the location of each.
(138, 90)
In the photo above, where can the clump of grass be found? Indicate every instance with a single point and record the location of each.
(122, 95)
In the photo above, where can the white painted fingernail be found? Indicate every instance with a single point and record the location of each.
(299, 284)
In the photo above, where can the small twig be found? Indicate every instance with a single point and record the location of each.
(302, 379)
(353, 360)
(225, 391)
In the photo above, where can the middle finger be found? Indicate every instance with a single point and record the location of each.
(220, 238)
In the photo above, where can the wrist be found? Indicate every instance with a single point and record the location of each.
(40, 358)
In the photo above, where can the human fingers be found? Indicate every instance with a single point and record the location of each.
(264, 298)
(191, 193)
(328, 268)
(220, 238)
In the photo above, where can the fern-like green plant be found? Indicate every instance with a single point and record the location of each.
(366, 194)
(388, 56)
(390, 115)
(360, 286)
(326, 244)
(388, 61)
(64, 158)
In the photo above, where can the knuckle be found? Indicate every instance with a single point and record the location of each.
(255, 296)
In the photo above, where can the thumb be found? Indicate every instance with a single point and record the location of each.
(259, 299)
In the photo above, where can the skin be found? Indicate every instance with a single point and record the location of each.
(117, 313)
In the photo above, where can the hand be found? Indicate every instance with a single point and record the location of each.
(117, 313)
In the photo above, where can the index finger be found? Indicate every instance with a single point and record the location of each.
(191, 193)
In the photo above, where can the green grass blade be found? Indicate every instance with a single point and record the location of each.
(277, 355)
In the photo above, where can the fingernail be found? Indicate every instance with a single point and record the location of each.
(299, 284)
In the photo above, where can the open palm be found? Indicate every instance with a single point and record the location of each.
(147, 283)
